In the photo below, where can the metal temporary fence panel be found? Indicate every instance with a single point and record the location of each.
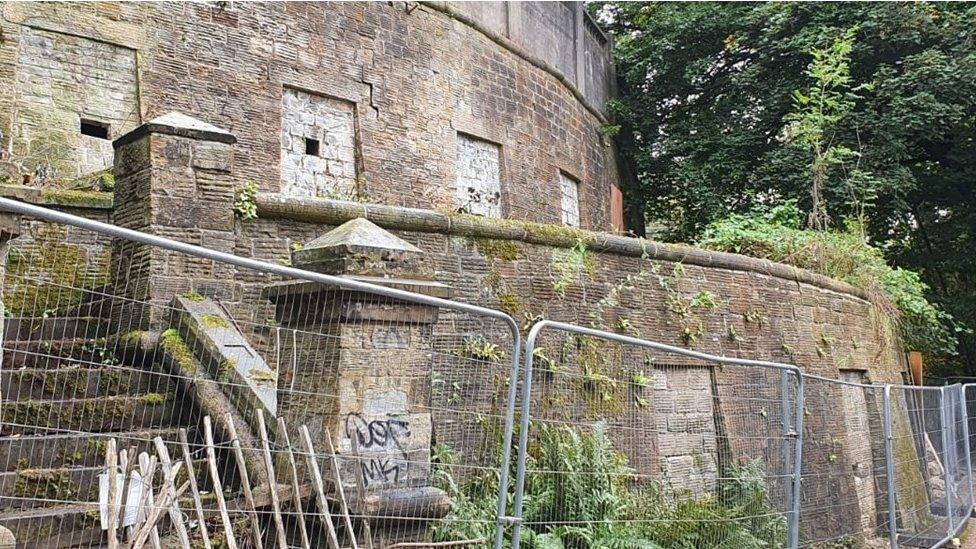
(930, 499)
(388, 413)
(625, 442)
(959, 473)
(843, 496)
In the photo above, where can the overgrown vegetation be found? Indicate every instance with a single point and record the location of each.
(580, 493)
(865, 110)
(571, 266)
(245, 201)
(775, 234)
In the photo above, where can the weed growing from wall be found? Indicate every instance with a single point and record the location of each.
(571, 266)
(245, 201)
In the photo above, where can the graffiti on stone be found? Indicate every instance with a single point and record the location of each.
(380, 444)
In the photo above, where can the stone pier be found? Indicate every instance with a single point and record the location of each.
(355, 367)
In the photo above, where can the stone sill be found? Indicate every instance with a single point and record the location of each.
(61, 198)
(336, 212)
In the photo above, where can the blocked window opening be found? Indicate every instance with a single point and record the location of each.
(93, 128)
(311, 146)
(478, 177)
(318, 146)
(569, 202)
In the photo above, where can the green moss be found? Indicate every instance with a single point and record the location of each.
(42, 484)
(172, 343)
(224, 370)
(75, 198)
(48, 274)
(193, 296)
(494, 248)
(154, 399)
(98, 446)
(213, 321)
(133, 336)
(493, 280)
(509, 303)
(556, 235)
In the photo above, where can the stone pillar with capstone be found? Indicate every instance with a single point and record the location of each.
(173, 179)
(356, 366)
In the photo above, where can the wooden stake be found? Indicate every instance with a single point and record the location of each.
(272, 482)
(131, 460)
(343, 504)
(197, 502)
(360, 487)
(175, 514)
(168, 493)
(325, 515)
(147, 468)
(111, 467)
(296, 488)
(252, 513)
(218, 489)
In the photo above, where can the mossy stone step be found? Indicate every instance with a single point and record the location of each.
(56, 353)
(43, 383)
(54, 328)
(95, 415)
(83, 450)
(54, 527)
(36, 487)
(44, 487)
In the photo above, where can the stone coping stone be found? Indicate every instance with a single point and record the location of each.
(62, 198)
(336, 212)
(180, 125)
(226, 345)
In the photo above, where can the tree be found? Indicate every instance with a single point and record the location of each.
(817, 115)
(707, 97)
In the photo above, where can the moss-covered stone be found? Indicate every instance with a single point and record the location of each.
(154, 398)
(510, 303)
(76, 198)
(224, 370)
(50, 274)
(494, 248)
(193, 296)
(43, 484)
(172, 343)
(213, 321)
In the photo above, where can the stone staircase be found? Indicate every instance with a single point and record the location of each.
(65, 394)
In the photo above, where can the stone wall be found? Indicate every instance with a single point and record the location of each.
(64, 90)
(696, 416)
(414, 77)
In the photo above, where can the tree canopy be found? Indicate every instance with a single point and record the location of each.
(725, 106)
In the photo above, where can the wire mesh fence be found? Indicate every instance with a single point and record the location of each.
(162, 394)
(930, 499)
(843, 493)
(310, 410)
(626, 442)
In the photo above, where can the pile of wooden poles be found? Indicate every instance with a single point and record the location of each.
(155, 503)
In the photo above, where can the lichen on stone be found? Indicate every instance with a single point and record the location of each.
(76, 198)
(213, 321)
(510, 303)
(193, 296)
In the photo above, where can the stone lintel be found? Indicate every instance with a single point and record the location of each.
(180, 125)
(306, 288)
